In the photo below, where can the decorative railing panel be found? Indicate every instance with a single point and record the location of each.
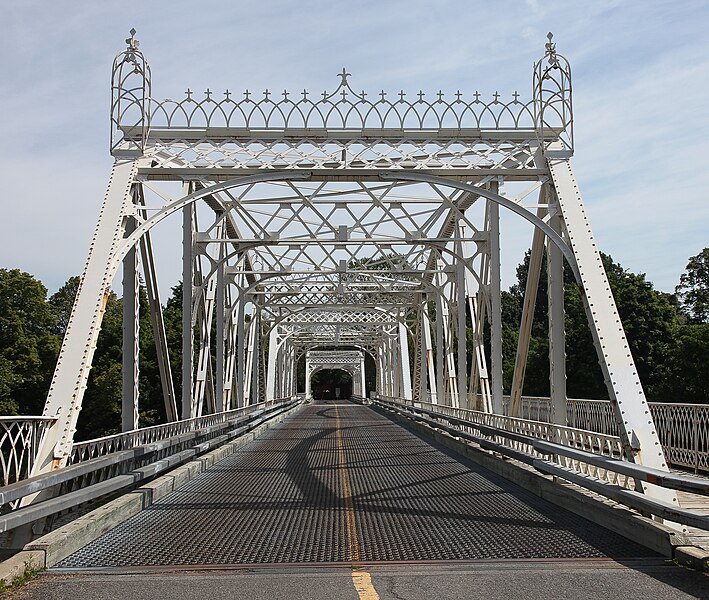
(19, 440)
(684, 433)
(89, 449)
(683, 428)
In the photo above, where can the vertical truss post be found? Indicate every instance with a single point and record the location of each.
(493, 217)
(428, 354)
(478, 369)
(131, 333)
(405, 390)
(389, 364)
(204, 392)
(230, 357)
(632, 413)
(380, 370)
(362, 379)
(271, 371)
(420, 395)
(221, 317)
(386, 368)
(451, 380)
(249, 357)
(262, 367)
(157, 320)
(557, 337)
(440, 349)
(308, 375)
(528, 305)
(418, 369)
(240, 349)
(461, 318)
(187, 286)
(255, 351)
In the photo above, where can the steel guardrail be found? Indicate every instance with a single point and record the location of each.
(631, 498)
(83, 471)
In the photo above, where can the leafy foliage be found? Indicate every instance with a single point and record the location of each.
(693, 288)
(28, 342)
(651, 320)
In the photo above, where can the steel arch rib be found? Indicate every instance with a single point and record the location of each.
(492, 196)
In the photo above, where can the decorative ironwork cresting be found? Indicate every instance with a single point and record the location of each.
(553, 110)
(343, 109)
(130, 97)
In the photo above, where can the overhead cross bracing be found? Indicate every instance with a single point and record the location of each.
(347, 221)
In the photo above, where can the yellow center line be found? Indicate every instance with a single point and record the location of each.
(361, 579)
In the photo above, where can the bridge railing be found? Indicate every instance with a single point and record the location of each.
(82, 451)
(112, 463)
(518, 434)
(683, 428)
(589, 459)
(19, 440)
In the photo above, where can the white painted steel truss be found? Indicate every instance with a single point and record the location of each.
(342, 220)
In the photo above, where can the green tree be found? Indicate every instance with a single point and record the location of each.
(687, 380)
(28, 343)
(101, 408)
(693, 288)
(650, 319)
(63, 301)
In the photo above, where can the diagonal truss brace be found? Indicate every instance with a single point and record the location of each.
(637, 429)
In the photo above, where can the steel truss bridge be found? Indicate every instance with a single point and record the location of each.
(332, 231)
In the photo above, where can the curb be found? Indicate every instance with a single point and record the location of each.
(692, 557)
(53, 547)
(615, 517)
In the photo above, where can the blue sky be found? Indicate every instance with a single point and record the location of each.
(640, 74)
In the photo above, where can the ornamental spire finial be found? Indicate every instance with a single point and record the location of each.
(133, 44)
(551, 50)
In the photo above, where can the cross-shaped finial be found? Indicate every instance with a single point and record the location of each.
(476, 95)
(208, 93)
(401, 95)
(227, 93)
(344, 76)
(305, 94)
(550, 46)
(382, 94)
(285, 95)
(266, 93)
(189, 94)
(516, 97)
(247, 94)
(133, 44)
(362, 95)
(551, 50)
(440, 95)
(496, 97)
(457, 96)
(421, 95)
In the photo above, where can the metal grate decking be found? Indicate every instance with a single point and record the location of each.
(341, 483)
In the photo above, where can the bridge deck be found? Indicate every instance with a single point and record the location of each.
(342, 483)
